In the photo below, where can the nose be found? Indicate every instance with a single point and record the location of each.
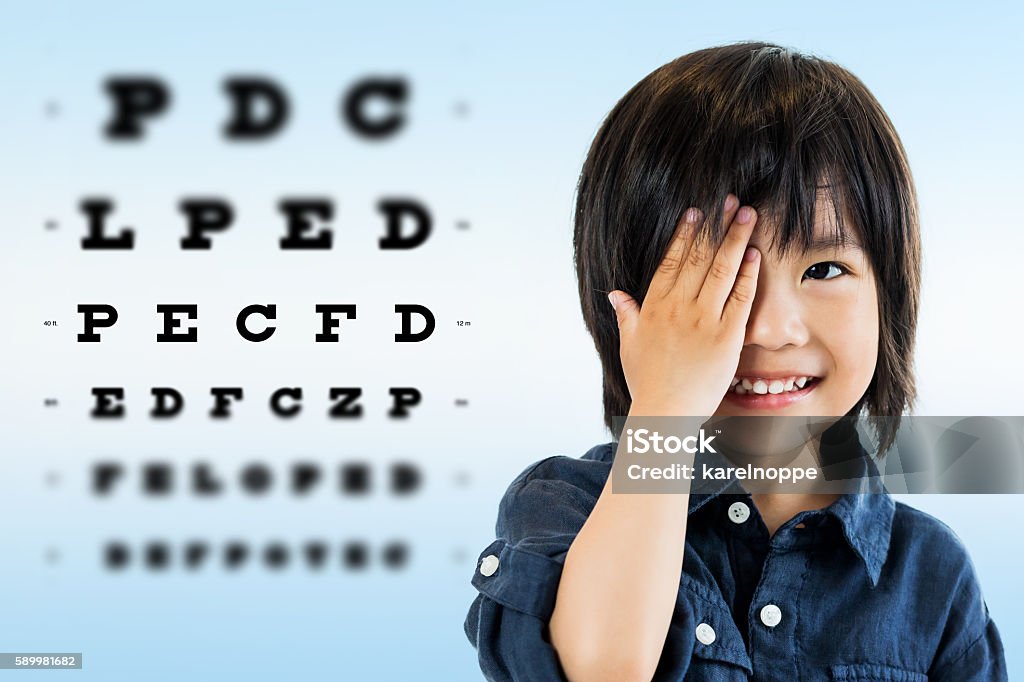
(776, 317)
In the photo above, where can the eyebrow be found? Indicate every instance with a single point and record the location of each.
(829, 244)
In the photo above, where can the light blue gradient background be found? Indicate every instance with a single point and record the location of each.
(537, 80)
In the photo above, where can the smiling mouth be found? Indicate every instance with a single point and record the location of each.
(793, 384)
(770, 393)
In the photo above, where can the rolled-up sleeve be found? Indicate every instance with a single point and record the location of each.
(517, 574)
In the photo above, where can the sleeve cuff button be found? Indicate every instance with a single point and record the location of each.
(488, 565)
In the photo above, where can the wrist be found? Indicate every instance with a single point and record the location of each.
(656, 408)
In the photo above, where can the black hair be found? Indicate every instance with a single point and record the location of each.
(779, 129)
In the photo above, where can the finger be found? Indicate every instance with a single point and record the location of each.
(741, 298)
(626, 311)
(697, 261)
(668, 270)
(722, 273)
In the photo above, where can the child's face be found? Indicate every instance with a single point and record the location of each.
(809, 318)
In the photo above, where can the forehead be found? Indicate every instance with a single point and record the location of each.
(828, 233)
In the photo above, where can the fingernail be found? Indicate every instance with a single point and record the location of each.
(612, 298)
(691, 215)
(745, 214)
(731, 202)
(750, 254)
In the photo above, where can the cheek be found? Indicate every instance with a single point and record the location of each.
(847, 325)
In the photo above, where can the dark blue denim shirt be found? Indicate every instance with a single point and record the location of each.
(866, 589)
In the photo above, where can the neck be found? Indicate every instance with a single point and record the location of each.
(777, 508)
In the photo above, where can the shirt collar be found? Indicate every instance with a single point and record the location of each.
(865, 517)
(866, 520)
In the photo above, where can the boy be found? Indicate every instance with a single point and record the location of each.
(759, 308)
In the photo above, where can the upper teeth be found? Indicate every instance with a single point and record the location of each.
(762, 386)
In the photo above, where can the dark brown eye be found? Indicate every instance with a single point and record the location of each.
(825, 270)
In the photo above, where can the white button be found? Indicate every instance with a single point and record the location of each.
(738, 512)
(705, 633)
(771, 615)
(488, 565)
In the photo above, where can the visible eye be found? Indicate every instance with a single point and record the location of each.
(825, 270)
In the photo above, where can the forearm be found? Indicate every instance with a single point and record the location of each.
(619, 586)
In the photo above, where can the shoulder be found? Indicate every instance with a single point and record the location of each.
(586, 473)
(934, 529)
(919, 533)
(932, 553)
(554, 494)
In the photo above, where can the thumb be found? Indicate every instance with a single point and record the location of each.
(626, 310)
